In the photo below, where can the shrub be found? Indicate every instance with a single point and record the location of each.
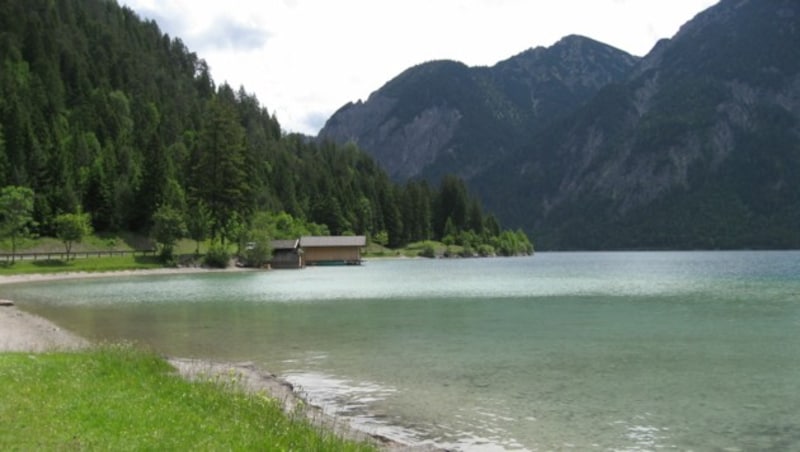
(257, 254)
(428, 251)
(217, 257)
(486, 250)
(167, 257)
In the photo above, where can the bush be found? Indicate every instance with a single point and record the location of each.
(217, 257)
(485, 250)
(510, 243)
(257, 254)
(167, 257)
(381, 238)
(428, 251)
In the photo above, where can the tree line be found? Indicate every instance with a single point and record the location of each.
(103, 115)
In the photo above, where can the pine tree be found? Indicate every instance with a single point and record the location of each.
(220, 180)
(16, 209)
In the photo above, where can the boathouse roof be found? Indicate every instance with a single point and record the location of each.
(284, 244)
(333, 241)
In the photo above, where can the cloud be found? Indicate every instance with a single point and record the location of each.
(173, 24)
(204, 29)
(313, 122)
(307, 58)
(227, 33)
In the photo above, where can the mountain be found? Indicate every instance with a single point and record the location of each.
(102, 113)
(696, 145)
(442, 116)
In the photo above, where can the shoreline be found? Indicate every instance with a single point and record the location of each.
(255, 380)
(45, 277)
(21, 331)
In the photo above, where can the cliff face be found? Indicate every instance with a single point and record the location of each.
(697, 145)
(444, 117)
(404, 149)
(697, 149)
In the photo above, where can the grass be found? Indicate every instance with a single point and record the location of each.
(411, 250)
(122, 398)
(124, 241)
(375, 250)
(415, 249)
(92, 264)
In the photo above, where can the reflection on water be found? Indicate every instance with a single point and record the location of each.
(623, 351)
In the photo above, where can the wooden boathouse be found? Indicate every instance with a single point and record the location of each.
(332, 250)
(286, 254)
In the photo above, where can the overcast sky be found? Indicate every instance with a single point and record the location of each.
(306, 58)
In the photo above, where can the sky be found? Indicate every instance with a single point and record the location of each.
(304, 59)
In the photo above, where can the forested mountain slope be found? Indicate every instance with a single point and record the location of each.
(696, 145)
(101, 112)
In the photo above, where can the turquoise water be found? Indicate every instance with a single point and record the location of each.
(583, 351)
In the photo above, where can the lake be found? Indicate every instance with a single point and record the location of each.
(586, 351)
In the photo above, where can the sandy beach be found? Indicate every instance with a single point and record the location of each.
(24, 332)
(21, 331)
(15, 279)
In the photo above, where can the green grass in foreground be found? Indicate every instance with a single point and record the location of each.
(92, 264)
(120, 398)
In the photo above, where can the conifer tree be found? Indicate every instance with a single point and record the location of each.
(16, 210)
(219, 176)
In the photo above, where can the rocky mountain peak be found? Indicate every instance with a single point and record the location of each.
(428, 120)
(586, 146)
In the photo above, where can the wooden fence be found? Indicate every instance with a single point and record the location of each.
(61, 255)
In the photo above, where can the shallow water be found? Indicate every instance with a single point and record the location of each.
(605, 351)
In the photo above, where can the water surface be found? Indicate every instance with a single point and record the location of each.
(603, 351)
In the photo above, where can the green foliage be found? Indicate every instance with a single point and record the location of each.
(467, 251)
(111, 117)
(282, 225)
(89, 265)
(510, 243)
(381, 238)
(16, 209)
(120, 398)
(485, 250)
(217, 257)
(257, 252)
(71, 228)
(219, 176)
(451, 207)
(168, 226)
(198, 224)
(428, 251)
(257, 237)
